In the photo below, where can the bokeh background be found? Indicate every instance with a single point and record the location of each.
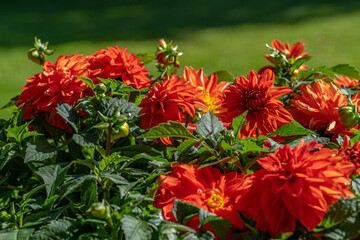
(213, 34)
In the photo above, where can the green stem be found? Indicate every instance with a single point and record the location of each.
(108, 142)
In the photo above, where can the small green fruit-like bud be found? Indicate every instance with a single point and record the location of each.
(348, 116)
(99, 210)
(120, 132)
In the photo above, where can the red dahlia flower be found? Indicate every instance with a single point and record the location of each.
(57, 83)
(317, 108)
(206, 188)
(116, 63)
(256, 95)
(295, 51)
(169, 101)
(208, 89)
(296, 184)
(345, 81)
(351, 154)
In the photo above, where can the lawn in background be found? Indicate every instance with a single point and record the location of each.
(215, 35)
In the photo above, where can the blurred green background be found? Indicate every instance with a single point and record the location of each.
(216, 35)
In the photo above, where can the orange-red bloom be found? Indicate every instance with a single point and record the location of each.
(57, 83)
(296, 184)
(116, 63)
(208, 89)
(295, 51)
(206, 188)
(351, 154)
(256, 95)
(317, 108)
(169, 101)
(345, 81)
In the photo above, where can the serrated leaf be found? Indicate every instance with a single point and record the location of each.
(15, 132)
(239, 122)
(316, 73)
(70, 116)
(16, 234)
(109, 106)
(112, 82)
(42, 217)
(135, 229)
(39, 150)
(52, 176)
(86, 140)
(347, 70)
(291, 129)
(220, 225)
(299, 62)
(184, 212)
(114, 177)
(250, 146)
(55, 230)
(169, 129)
(209, 125)
(73, 183)
(224, 76)
(355, 185)
(90, 194)
(185, 146)
(339, 212)
(88, 81)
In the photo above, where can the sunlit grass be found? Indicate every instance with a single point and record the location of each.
(238, 49)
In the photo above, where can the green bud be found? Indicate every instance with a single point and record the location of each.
(99, 210)
(348, 116)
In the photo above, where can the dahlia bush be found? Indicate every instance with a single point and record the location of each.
(98, 147)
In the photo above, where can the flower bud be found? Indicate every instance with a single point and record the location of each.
(99, 210)
(4, 216)
(348, 116)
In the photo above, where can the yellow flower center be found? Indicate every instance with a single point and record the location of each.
(209, 101)
(215, 201)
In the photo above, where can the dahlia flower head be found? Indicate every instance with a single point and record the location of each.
(351, 154)
(317, 108)
(295, 184)
(169, 100)
(256, 95)
(205, 188)
(207, 89)
(57, 83)
(116, 63)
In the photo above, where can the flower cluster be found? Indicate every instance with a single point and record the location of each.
(294, 155)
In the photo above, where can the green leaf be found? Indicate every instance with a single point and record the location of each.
(169, 129)
(347, 70)
(209, 125)
(39, 150)
(88, 81)
(224, 76)
(220, 225)
(109, 81)
(42, 217)
(108, 107)
(339, 212)
(355, 185)
(299, 62)
(114, 177)
(6, 149)
(250, 146)
(90, 194)
(291, 129)
(86, 140)
(133, 150)
(55, 230)
(32, 191)
(317, 72)
(184, 212)
(145, 57)
(73, 183)
(15, 132)
(52, 175)
(186, 146)
(135, 229)
(16, 234)
(69, 115)
(239, 122)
